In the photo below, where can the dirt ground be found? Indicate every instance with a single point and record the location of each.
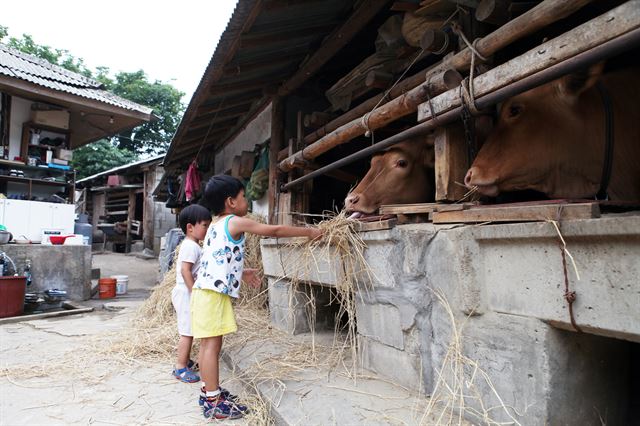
(50, 374)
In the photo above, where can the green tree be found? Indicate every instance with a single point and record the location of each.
(163, 98)
(98, 157)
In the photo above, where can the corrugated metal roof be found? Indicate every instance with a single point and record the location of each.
(156, 158)
(14, 63)
(264, 44)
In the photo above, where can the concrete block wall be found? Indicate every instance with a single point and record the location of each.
(505, 283)
(55, 267)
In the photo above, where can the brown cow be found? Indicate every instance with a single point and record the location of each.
(401, 174)
(552, 139)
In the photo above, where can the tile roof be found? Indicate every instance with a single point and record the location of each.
(23, 66)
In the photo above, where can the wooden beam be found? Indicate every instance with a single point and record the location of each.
(545, 13)
(379, 117)
(593, 33)
(494, 12)
(365, 12)
(451, 162)
(302, 31)
(506, 213)
(275, 144)
(225, 103)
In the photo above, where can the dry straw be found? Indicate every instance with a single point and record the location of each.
(462, 387)
(338, 257)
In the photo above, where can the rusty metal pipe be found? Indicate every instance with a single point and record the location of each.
(605, 50)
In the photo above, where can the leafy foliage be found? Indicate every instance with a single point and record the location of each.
(149, 138)
(98, 157)
(153, 137)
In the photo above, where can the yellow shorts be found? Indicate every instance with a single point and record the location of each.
(211, 314)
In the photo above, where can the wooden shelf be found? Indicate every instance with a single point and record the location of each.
(51, 147)
(32, 180)
(52, 129)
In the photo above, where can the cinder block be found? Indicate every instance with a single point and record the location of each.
(293, 321)
(399, 366)
(380, 322)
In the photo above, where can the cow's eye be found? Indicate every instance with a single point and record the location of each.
(402, 163)
(515, 110)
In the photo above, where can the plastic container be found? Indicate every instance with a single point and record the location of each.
(12, 290)
(107, 288)
(84, 228)
(122, 283)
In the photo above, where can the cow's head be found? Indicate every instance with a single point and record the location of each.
(401, 174)
(540, 142)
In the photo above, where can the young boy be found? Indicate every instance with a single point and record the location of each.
(194, 221)
(219, 280)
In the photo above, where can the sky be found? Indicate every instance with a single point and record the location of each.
(172, 41)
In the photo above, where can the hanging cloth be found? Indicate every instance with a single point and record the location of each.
(259, 181)
(192, 185)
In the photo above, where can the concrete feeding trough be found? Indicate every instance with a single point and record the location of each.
(506, 284)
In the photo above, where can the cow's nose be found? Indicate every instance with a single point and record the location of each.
(352, 199)
(467, 177)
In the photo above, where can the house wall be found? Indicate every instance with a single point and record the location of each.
(503, 286)
(163, 220)
(20, 112)
(257, 132)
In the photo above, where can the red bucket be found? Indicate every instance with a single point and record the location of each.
(12, 290)
(107, 288)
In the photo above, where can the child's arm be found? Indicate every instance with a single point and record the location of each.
(238, 225)
(185, 270)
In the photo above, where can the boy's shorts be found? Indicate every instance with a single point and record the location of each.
(180, 297)
(211, 314)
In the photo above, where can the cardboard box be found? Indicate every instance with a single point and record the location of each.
(60, 162)
(59, 119)
(64, 154)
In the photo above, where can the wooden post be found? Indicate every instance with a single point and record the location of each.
(130, 216)
(451, 162)
(276, 143)
(545, 13)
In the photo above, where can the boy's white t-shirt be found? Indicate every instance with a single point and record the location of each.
(190, 251)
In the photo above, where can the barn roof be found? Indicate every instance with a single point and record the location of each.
(14, 63)
(95, 113)
(124, 169)
(269, 47)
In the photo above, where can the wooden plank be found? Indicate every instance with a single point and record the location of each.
(408, 208)
(453, 207)
(376, 226)
(519, 213)
(593, 33)
(284, 209)
(451, 162)
(335, 41)
(275, 145)
(545, 13)
(130, 217)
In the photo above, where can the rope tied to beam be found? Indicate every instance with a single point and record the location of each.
(467, 94)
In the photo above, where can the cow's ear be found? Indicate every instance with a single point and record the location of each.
(576, 83)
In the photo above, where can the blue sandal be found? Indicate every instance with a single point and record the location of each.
(186, 375)
(193, 366)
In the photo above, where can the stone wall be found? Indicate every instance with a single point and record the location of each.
(504, 285)
(63, 267)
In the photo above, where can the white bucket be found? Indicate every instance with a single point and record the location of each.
(122, 282)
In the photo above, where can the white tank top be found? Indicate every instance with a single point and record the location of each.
(222, 260)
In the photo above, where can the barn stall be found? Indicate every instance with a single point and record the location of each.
(545, 286)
